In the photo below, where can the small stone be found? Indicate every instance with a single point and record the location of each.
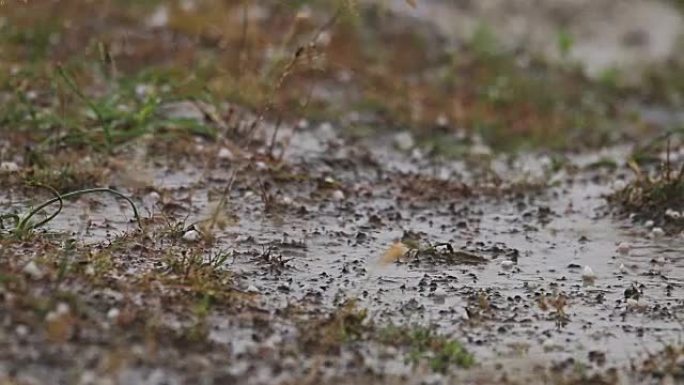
(507, 265)
(623, 268)
(32, 270)
(632, 303)
(192, 235)
(619, 185)
(143, 90)
(442, 120)
(302, 124)
(657, 232)
(21, 330)
(674, 214)
(9, 167)
(225, 154)
(252, 289)
(153, 197)
(63, 308)
(648, 224)
(480, 150)
(159, 18)
(404, 141)
(113, 313)
(439, 295)
(287, 200)
(51, 316)
(338, 195)
(623, 248)
(588, 274)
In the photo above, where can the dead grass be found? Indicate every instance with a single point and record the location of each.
(657, 196)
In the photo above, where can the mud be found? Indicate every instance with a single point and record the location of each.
(336, 206)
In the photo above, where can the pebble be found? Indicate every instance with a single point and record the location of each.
(442, 120)
(623, 248)
(225, 153)
(588, 274)
(632, 303)
(619, 185)
(674, 214)
(153, 197)
(32, 270)
(623, 268)
(9, 167)
(192, 235)
(657, 232)
(113, 313)
(439, 295)
(22, 330)
(302, 124)
(649, 223)
(338, 195)
(252, 289)
(62, 309)
(404, 141)
(159, 18)
(507, 265)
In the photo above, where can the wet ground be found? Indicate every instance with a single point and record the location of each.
(498, 257)
(416, 229)
(628, 36)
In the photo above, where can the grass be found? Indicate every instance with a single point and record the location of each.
(654, 196)
(23, 226)
(349, 324)
(277, 66)
(424, 345)
(80, 93)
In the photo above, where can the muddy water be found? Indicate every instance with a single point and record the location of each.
(319, 249)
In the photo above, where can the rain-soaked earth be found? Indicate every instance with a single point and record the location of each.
(520, 258)
(505, 248)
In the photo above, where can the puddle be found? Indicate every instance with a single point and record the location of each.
(319, 251)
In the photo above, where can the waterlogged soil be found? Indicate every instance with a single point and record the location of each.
(501, 252)
(630, 36)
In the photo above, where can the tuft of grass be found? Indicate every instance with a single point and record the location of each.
(655, 196)
(346, 324)
(424, 345)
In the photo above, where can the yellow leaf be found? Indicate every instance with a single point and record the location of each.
(396, 251)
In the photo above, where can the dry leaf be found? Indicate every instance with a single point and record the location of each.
(412, 3)
(396, 251)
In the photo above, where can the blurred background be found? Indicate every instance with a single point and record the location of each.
(561, 74)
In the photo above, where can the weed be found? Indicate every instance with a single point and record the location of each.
(424, 345)
(653, 197)
(23, 225)
(346, 324)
